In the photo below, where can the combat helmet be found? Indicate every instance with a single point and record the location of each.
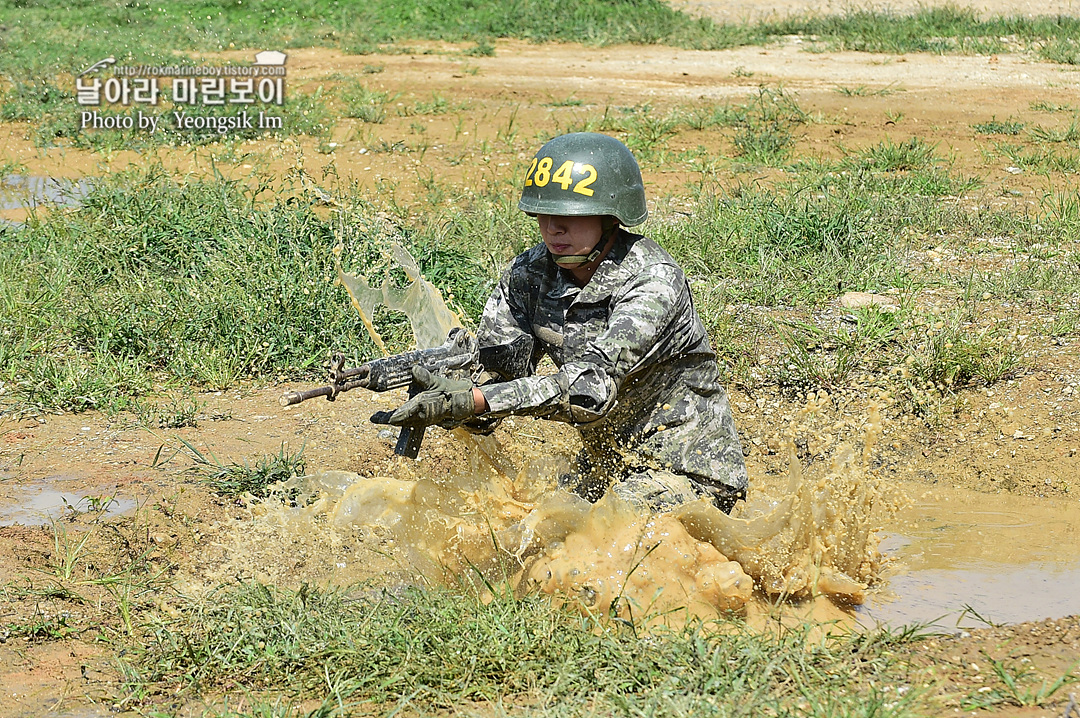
(585, 174)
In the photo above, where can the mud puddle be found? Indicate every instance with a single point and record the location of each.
(960, 559)
(19, 194)
(961, 555)
(18, 191)
(42, 503)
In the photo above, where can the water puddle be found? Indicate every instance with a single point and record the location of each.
(960, 558)
(19, 194)
(40, 504)
(18, 191)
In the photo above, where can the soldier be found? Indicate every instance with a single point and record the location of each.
(636, 374)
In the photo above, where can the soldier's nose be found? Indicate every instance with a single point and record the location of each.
(550, 224)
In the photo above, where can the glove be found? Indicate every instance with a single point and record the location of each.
(442, 401)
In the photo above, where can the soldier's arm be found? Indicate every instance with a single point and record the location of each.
(503, 322)
(506, 319)
(584, 390)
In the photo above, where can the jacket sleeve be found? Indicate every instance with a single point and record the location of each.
(584, 390)
(506, 319)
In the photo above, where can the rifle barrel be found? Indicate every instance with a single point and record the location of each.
(295, 397)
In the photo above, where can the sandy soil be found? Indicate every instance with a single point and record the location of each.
(1022, 437)
(753, 9)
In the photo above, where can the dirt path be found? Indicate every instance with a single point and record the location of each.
(755, 9)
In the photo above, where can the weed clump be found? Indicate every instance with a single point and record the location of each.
(173, 413)
(364, 104)
(994, 126)
(889, 156)
(235, 479)
(1062, 50)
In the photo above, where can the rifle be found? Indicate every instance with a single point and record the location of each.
(457, 358)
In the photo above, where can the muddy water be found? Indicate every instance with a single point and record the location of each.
(488, 521)
(40, 504)
(808, 535)
(1007, 558)
(17, 191)
(20, 195)
(420, 300)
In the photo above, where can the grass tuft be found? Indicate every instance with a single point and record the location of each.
(889, 156)
(364, 104)
(1062, 50)
(434, 650)
(235, 479)
(998, 127)
(173, 413)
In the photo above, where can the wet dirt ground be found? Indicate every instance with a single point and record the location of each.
(1019, 439)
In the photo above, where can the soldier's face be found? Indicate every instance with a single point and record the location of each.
(569, 235)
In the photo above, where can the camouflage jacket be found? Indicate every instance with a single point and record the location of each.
(635, 373)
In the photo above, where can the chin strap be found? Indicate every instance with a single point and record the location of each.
(572, 261)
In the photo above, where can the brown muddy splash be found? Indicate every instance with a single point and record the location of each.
(419, 300)
(487, 520)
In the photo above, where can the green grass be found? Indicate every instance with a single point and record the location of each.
(39, 54)
(864, 91)
(1016, 687)
(813, 358)
(236, 479)
(44, 39)
(570, 101)
(193, 283)
(435, 650)
(160, 282)
(1063, 50)
(39, 39)
(31, 99)
(437, 105)
(1070, 134)
(889, 156)
(149, 248)
(772, 247)
(364, 104)
(921, 358)
(707, 116)
(762, 129)
(943, 29)
(1046, 106)
(646, 131)
(765, 127)
(1041, 159)
(171, 413)
(998, 127)
(953, 356)
(483, 48)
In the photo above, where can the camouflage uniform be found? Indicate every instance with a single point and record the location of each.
(636, 374)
